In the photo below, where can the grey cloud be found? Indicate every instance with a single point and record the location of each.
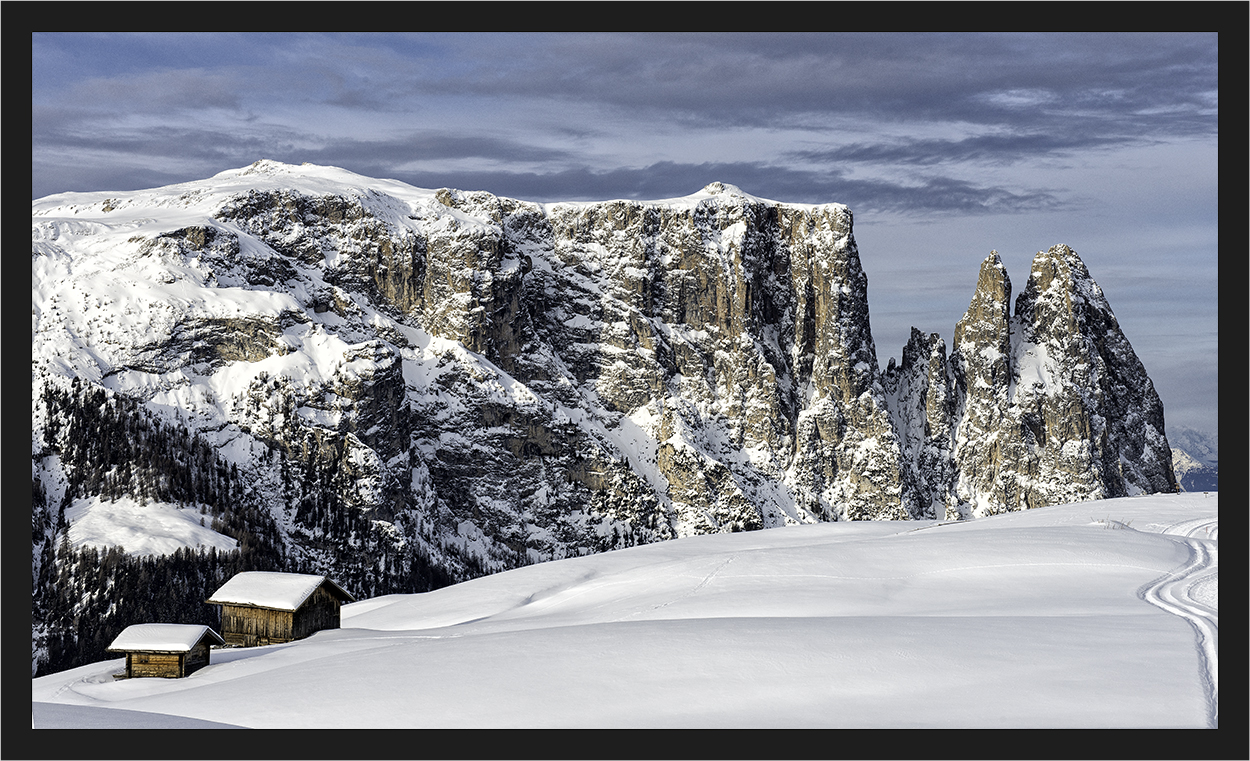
(60, 137)
(755, 78)
(214, 149)
(998, 149)
(159, 91)
(381, 155)
(1047, 94)
(145, 145)
(82, 159)
(48, 178)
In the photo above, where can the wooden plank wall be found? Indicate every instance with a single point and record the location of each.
(249, 627)
(154, 664)
(168, 665)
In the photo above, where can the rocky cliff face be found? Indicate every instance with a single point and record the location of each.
(985, 438)
(1046, 406)
(1095, 420)
(922, 400)
(484, 382)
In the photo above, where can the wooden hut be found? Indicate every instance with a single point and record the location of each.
(265, 607)
(165, 650)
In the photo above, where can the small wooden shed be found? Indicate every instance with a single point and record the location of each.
(266, 607)
(165, 650)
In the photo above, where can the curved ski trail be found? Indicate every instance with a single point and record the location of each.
(1182, 592)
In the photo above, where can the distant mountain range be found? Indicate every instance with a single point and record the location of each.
(1195, 458)
(404, 388)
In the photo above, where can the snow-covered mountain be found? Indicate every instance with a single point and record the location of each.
(406, 387)
(1086, 615)
(1195, 459)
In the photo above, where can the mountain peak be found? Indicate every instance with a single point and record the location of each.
(722, 188)
(270, 168)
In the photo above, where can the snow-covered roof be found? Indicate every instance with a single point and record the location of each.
(272, 589)
(177, 638)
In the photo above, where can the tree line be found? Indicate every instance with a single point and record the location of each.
(110, 446)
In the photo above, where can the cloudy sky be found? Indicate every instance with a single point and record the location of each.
(945, 146)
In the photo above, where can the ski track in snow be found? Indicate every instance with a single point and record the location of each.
(703, 583)
(1181, 592)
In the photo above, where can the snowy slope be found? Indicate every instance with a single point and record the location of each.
(1100, 614)
(140, 528)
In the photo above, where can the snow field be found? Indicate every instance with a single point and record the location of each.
(151, 528)
(1034, 619)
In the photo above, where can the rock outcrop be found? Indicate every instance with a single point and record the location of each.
(1089, 412)
(1053, 405)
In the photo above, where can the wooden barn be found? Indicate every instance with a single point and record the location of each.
(165, 650)
(265, 607)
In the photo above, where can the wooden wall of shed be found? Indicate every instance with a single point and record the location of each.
(320, 611)
(249, 627)
(167, 665)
